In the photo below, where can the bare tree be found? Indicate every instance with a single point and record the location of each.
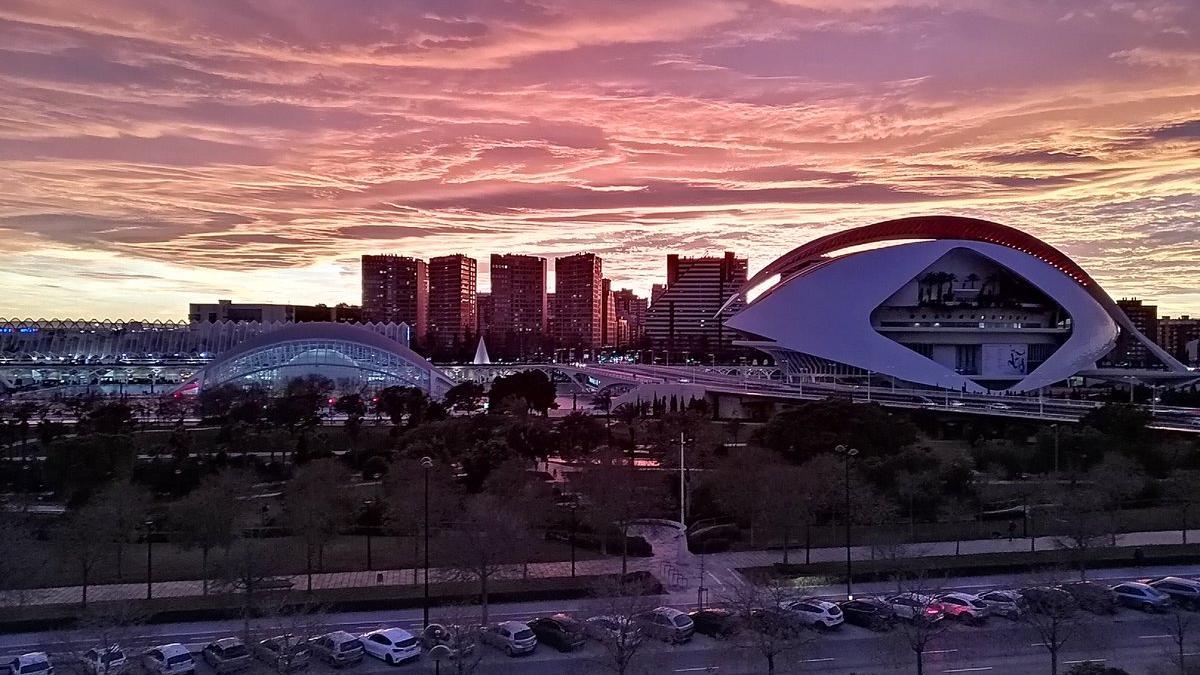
(460, 636)
(530, 498)
(487, 538)
(1053, 615)
(82, 541)
(404, 490)
(956, 511)
(750, 470)
(615, 611)
(116, 625)
(125, 506)
(614, 498)
(1116, 478)
(927, 624)
(1183, 488)
(767, 628)
(1180, 624)
(207, 517)
(19, 566)
(250, 569)
(317, 506)
(1080, 516)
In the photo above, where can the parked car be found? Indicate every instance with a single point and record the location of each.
(390, 645)
(283, 652)
(227, 655)
(169, 659)
(611, 629)
(460, 640)
(816, 613)
(1142, 596)
(871, 613)
(108, 661)
(338, 648)
(560, 631)
(776, 622)
(513, 637)
(1092, 597)
(1185, 592)
(667, 624)
(964, 607)
(916, 607)
(1049, 600)
(33, 663)
(715, 623)
(1006, 603)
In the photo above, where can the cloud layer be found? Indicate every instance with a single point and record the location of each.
(153, 153)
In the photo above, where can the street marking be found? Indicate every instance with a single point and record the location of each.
(1037, 644)
(1154, 637)
(706, 669)
(968, 670)
(941, 651)
(828, 658)
(1072, 663)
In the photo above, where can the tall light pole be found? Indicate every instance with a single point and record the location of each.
(149, 558)
(1055, 427)
(426, 464)
(681, 486)
(846, 454)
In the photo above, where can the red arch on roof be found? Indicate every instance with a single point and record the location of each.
(928, 227)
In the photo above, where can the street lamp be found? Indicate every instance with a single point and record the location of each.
(149, 558)
(846, 454)
(573, 526)
(426, 464)
(1055, 427)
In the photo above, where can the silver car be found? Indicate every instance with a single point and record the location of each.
(1006, 603)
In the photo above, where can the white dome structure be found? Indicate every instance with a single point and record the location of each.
(940, 301)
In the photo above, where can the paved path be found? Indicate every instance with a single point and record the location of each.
(678, 569)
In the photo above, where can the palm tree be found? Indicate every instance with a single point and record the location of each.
(950, 279)
(925, 285)
(972, 279)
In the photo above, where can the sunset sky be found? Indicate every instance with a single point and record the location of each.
(156, 153)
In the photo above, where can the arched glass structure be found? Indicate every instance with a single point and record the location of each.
(356, 359)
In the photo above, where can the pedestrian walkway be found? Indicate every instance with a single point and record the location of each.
(672, 563)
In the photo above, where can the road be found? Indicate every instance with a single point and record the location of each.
(1132, 640)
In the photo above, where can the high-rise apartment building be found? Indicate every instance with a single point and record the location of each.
(608, 315)
(1180, 336)
(395, 289)
(578, 296)
(684, 317)
(484, 311)
(631, 317)
(1130, 352)
(520, 315)
(453, 314)
(227, 310)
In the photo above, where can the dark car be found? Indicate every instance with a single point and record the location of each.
(869, 613)
(1092, 597)
(1185, 592)
(715, 623)
(776, 622)
(1049, 600)
(560, 631)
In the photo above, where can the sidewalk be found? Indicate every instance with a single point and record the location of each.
(678, 569)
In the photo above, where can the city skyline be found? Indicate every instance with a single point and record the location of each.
(150, 158)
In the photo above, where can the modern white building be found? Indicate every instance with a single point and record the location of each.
(940, 301)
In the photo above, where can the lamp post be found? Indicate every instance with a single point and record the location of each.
(426, 464)
(573, 525)
(1055, 427)
(149, 558)
(846, 454)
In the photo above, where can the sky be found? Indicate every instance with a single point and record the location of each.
(158, 153)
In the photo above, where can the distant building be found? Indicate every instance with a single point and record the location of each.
(1129, 351)
(395, 289)
(578, 296)
(484, 311)
(684, 317)
(520, 322)
(631, 317)
(227, 310)
(452, 308)
(1180, 336)
(608, 315)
